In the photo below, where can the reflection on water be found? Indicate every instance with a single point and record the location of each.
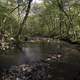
(30, 55)
(34, 52)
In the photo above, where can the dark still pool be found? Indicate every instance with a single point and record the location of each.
(56, 60)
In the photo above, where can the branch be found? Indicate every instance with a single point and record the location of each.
(14, 9)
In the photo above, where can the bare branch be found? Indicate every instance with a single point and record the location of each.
(14, 9)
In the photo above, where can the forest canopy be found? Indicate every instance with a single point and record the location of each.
(57, 19)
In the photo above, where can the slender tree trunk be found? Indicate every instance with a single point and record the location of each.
(24, 20)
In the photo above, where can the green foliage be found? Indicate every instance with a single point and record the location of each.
(52, 18)
(58, 19)
(8, 26)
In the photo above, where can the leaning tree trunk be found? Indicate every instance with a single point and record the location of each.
(17, 40)
(61, 8)
(24, 20)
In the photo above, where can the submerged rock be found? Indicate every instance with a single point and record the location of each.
(36, 71)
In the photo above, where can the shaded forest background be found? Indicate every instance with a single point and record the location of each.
(57, 19)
